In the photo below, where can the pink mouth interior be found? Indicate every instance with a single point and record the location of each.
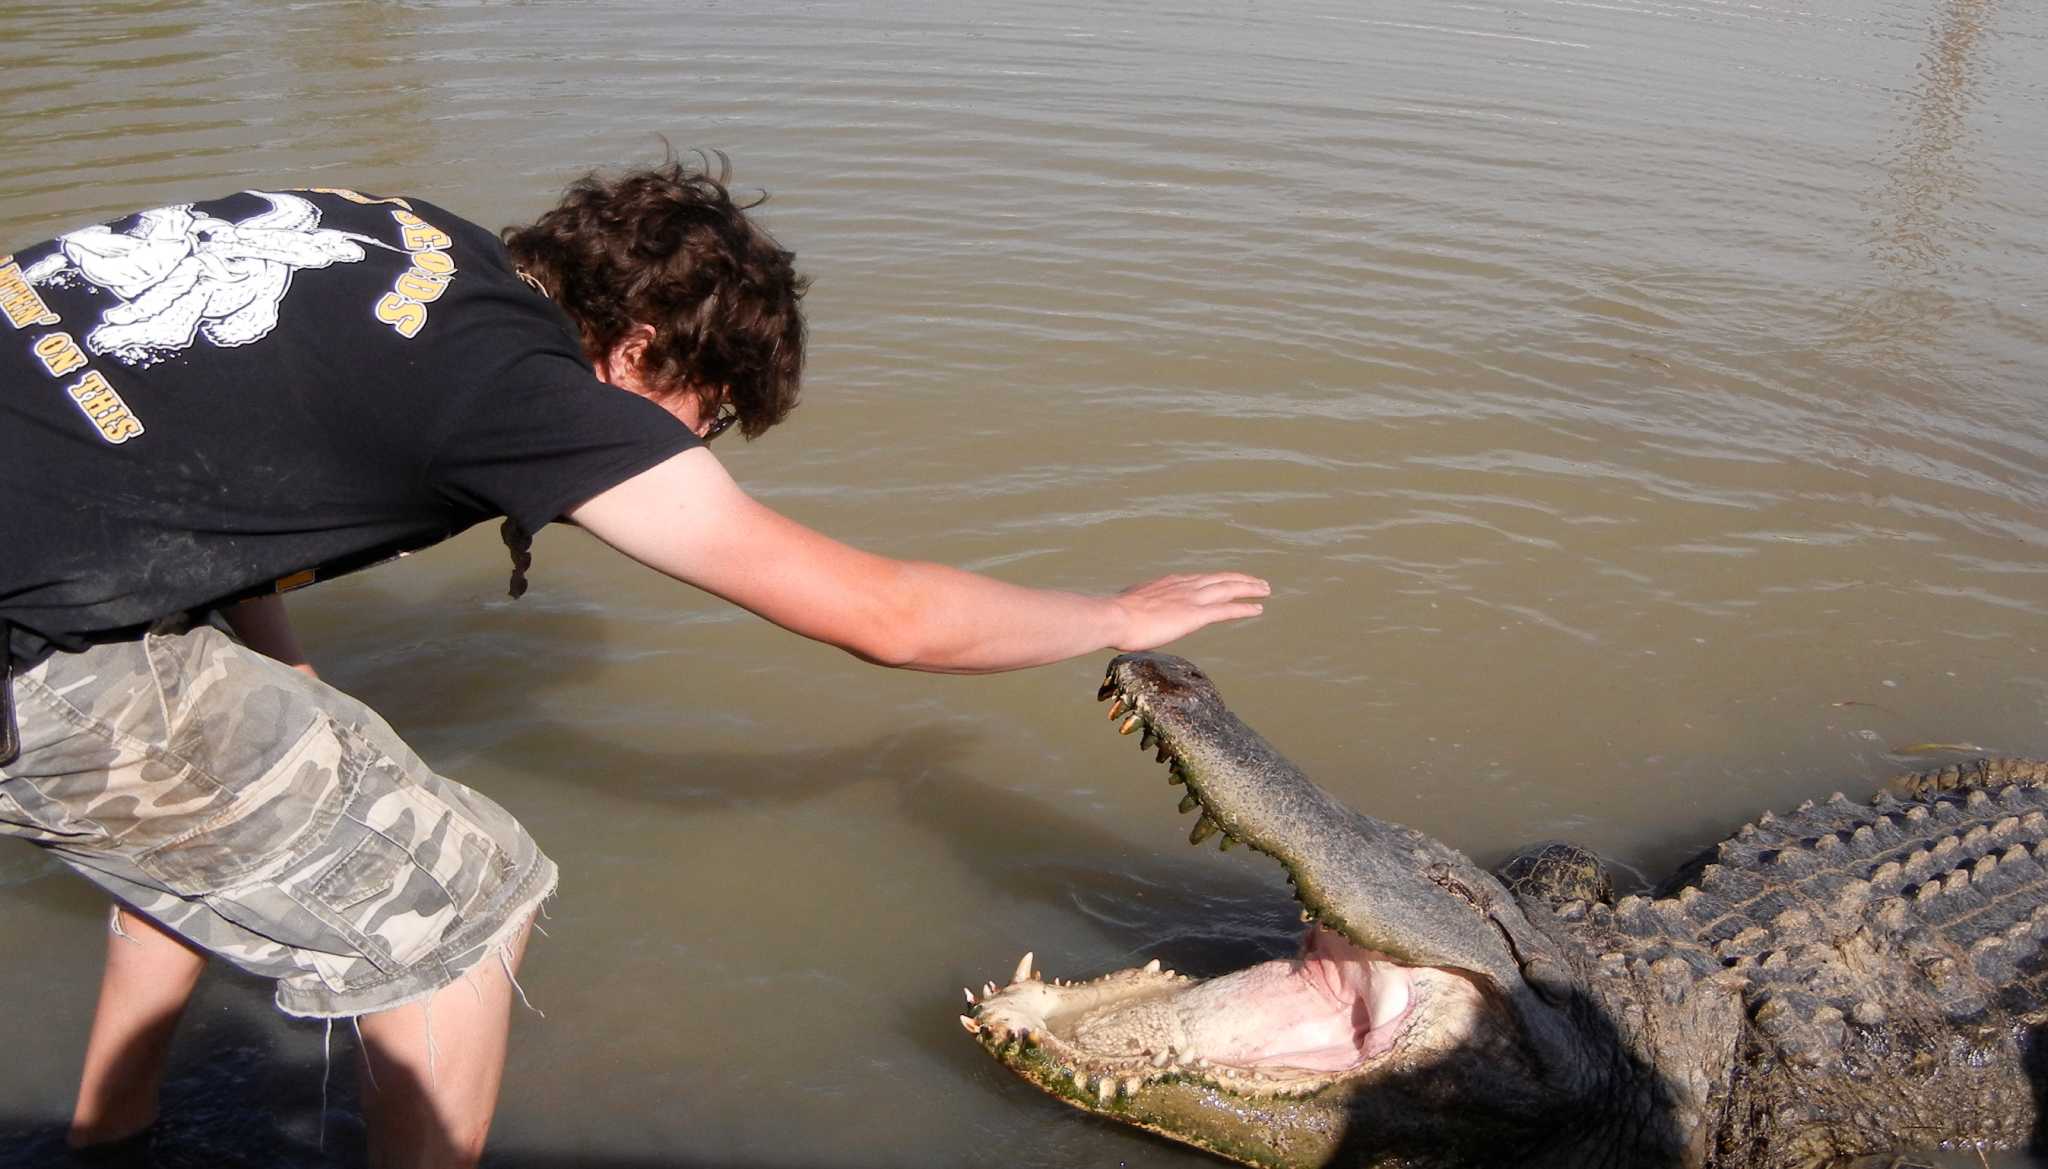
(1329, 1010)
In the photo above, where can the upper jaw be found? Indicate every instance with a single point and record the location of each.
(1384, 887)
(1179, 714)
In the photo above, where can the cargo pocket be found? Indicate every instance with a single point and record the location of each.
(368, 870)
(267, 828)
(337, 852)
(404, 871)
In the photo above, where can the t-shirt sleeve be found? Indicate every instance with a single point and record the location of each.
(546, 437)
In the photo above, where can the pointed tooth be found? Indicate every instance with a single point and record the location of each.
(1307, 914)
(1152, 967)
(1130, 724)
(1190, 802)
(1229, 842)
(1107, 688)
(1132, 1084)
(973, 1028)
(1106, 1090)
(1146, 740)
(987, 989)
(1163, 1058)
(1175, 775)
(969, 994)
(1203, 827)
(1023, 969)
(1160, 757)
(1117, 707)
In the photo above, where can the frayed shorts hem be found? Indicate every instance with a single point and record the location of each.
(447, 964)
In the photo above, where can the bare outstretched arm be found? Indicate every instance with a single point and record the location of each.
(688, 519)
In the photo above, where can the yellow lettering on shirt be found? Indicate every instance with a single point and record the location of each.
(420, 286)
(120, 430)
(104, 407)
(94, 396)
(434, 262)
(420, 237)
(406, 316)
(404, 308)
(19, 299)
(59, 354)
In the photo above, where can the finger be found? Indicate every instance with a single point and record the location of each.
(1230, 590)
(1250, 583)
(1193, 580)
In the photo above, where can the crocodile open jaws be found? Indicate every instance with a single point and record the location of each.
(1846, 981)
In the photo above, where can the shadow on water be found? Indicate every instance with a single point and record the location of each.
(233, 1101)
(1199, 917)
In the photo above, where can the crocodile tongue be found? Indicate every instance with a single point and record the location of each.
(1326, 1011)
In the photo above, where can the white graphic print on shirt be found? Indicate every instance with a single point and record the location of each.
(181, 274)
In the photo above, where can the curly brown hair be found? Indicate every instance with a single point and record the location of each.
(668, 247)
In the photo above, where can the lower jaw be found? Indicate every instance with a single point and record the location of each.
(1272, 1069)
(1290, 1019)
(1276, 1131)
(1284, 1028)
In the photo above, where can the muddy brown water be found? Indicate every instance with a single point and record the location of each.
(1639, 408)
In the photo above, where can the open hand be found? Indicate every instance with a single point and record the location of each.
(1172, 607)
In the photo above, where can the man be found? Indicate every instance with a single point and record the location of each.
(204, 405)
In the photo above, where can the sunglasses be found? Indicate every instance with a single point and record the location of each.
(722, 423)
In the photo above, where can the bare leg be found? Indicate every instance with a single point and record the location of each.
(150, 975)
(435, 1068)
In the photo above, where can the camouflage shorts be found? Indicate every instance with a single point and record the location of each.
(267, 818)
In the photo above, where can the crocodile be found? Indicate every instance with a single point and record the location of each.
(1850, 980)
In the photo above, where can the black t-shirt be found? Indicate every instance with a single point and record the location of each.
(214, 399)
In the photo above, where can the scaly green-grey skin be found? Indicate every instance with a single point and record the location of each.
(1845, 981)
